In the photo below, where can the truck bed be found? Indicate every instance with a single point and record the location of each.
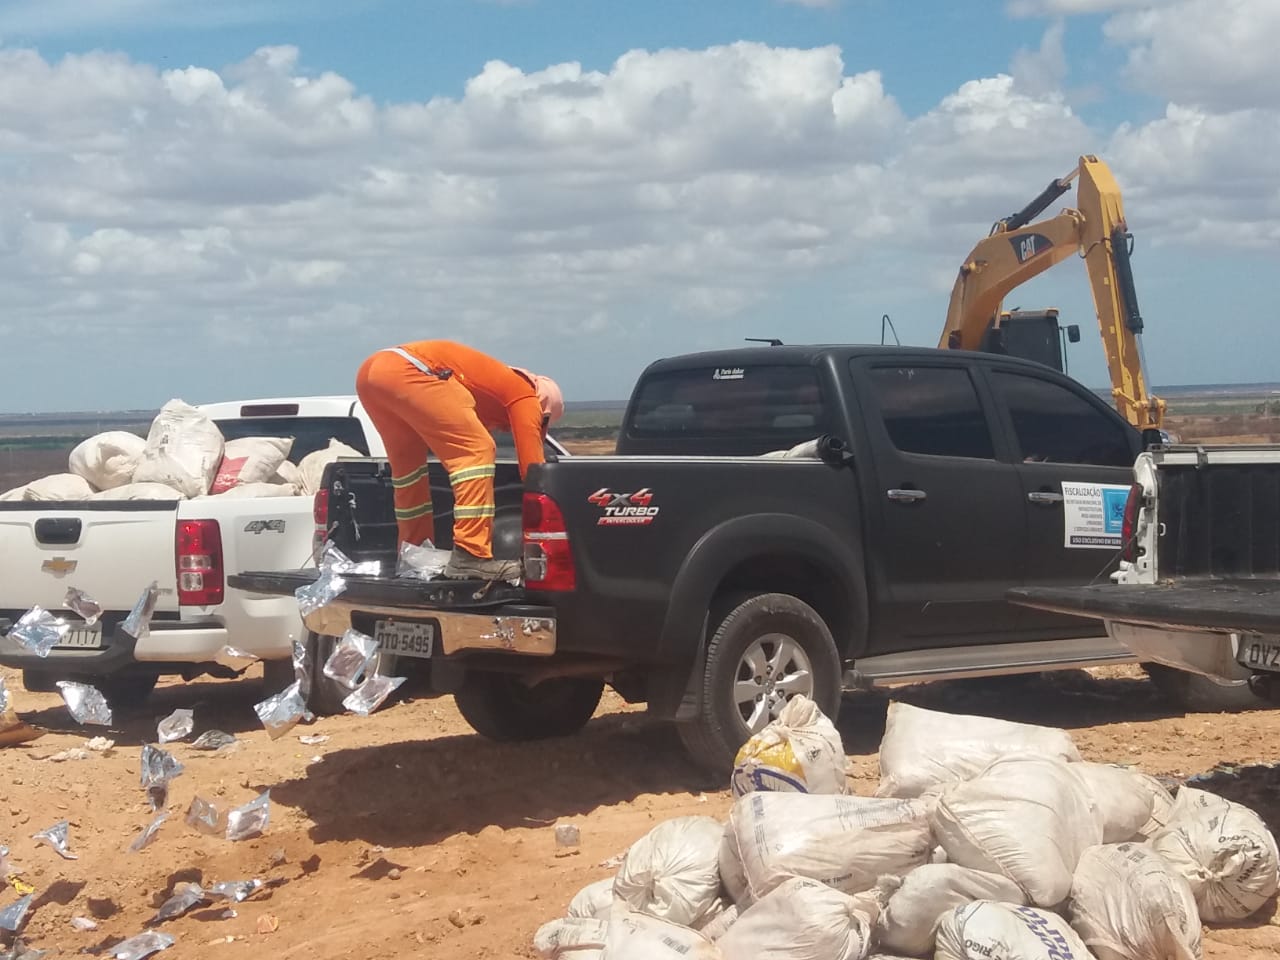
(1251, 606)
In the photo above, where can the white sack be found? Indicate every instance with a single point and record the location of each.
(909, 922)
(573, 938)
(673, 872)
(250, 491)
(139, 491)
(1224, 850)
(1128, 904)
(925, 748)
(1027, 818)
(313, 464)
(250, 460)
(60, 486)
(184, 448)
(594, 901)
(1161, 806)
(635, 936)
(17, 493)
(801, 920)
(719, 925)
(844, 842)
(108, 460)
(799, 752)
(985, 930)
(288, 473)
(1123, 798)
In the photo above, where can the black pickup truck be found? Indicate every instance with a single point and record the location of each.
(693, 574)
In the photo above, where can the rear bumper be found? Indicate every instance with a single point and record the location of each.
(521, 629)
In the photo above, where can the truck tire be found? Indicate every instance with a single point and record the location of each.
(127, 692)
(767, 649)
(39, 681)
(326, 695)
(498, 706)
(1197, 694)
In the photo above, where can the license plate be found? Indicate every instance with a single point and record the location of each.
(405, 639)
(83, 638)
(1260, 653)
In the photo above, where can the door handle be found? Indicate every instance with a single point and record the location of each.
(1044, 497)
(906, 496)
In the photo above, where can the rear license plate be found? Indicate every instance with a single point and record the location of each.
(1260, 653)
(405, 639)
(80, 637)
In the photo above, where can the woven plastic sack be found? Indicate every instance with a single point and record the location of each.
(909, 923)
(252, 491)
(140, 491)
(250, 460)
(313, 464)
(986, 930)
(17, 493)
(1224, 851)
(288, 473)
(107, 460)
(184, 448)
(573, 938)
(802, 920)
(799, 752)
(594, 901)
(844, 842)
(673, 872)
(60, 486)
(637, 936)
(1124, 798)
(1026, 818)
(922, 749)
(1127, 903)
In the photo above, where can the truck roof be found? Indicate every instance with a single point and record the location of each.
(809, 352)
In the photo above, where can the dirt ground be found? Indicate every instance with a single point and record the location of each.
(406, 835)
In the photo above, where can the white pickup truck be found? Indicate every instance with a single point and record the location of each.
(112, 550)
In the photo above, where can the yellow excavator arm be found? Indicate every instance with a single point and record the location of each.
(1018, 249)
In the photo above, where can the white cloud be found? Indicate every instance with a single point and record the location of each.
(1069, 8)
(1042, 71)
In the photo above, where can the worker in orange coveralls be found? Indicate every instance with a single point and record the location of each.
(439, 396)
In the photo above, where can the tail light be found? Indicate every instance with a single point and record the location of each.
(1128, 532)
(201, 579)
(320, 512)
(548, 558)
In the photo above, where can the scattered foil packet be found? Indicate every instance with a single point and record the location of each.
(213, 740)
(369, 696)
(11, 917)
(421, 563)
(313, 739)
(234, 890)
(281, 712)
(157, 769)
(84, 924)
(145, 838)
(83, 606)
(350, 658)
(142, 945)
(326, 588)
(235, 658)
(6, 865)
(176, 725)
(39, 631)
(335, 560)
(4, 696)
(205, 818)
(251, 819)
(185, 896)
(56, 837)
(302, 670)
(86, 703)
(138, 623)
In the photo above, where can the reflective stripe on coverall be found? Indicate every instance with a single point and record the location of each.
(416, 412)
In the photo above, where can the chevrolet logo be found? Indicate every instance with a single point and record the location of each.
(59, 566)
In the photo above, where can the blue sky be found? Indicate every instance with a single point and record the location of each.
(245, 198)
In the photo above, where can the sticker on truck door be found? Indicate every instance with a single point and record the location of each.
(1093, 515)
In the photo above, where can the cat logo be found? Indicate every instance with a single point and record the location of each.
(59, 566)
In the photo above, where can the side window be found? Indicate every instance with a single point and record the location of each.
(932, 410)
(1056, 425)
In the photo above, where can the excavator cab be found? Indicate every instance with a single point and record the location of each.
(1032, 335)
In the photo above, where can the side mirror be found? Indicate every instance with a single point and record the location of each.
(1073, 333)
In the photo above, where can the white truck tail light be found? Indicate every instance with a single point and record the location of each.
(548, 558)
(320, 512)
(201, 577)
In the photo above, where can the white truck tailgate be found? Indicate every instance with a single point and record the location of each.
(112, 554)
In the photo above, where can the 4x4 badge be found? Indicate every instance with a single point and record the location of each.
(624, 509)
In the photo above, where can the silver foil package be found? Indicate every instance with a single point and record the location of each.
(234, 890)
(4, 696)
(142, 945)
(235, 658)
(157, 769)
(369, 696)
(176, 725)
(56, 837)
(145, 838)
(335, 560)
(39, 631)
(185, 896)
(138, 623)
(12, 916)
(83, 606)
(205, 817)
(282, 712)
(326, 588)
(213, 740)
(421, 563)
(86, 704)
(251, 819)
(350, 658)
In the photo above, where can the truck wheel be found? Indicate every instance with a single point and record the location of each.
(128, 692)
(768, 649)
(38, 681)
(326, 696)
(1197, 694)
(498, 706)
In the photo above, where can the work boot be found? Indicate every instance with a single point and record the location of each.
(465, 566)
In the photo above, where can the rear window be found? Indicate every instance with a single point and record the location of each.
(309, 433)
(754, 401)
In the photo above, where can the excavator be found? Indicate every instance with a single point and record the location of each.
(1019, 248)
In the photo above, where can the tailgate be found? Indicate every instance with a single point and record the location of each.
(111, 550)
(1229, 606)
(409, 594)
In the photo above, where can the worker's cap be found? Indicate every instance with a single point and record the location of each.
(549, 395)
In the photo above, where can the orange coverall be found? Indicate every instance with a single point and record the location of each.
(416, 413)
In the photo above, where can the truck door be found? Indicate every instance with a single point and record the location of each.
(1076, 464)
(951, 524)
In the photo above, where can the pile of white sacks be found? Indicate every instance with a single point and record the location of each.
(184, 456)
(986, 840)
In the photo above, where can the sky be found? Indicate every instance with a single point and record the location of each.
(244, 199)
